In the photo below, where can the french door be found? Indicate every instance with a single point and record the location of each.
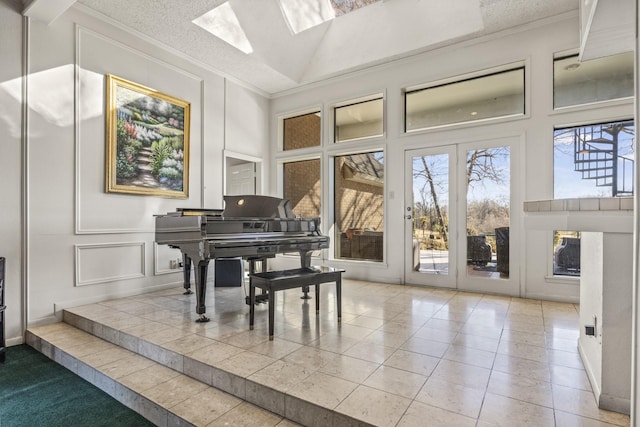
(459, 230)
(430, 184)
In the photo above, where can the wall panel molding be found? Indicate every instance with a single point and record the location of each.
(159, 260)
(109, 262)
(89, 107)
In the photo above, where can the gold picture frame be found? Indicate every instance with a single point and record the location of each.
(147, 141)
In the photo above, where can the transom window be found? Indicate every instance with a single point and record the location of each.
(302, 131)
(602, 79)
(499, 94)
(363, 119)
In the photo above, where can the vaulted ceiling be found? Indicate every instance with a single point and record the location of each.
(279, 58)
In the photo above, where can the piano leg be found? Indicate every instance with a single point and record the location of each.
(186, 272)
(272, 305)
(201, 290)
(305, 261)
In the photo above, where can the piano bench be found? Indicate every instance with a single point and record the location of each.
(273, 281)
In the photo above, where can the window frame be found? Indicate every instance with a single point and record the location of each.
(584, 123)
(358, 101)
(552, 278)
(519, 65)
(299, 113)
(280, 174)
(331, 201)
(558, 56)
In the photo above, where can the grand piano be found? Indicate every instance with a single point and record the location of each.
(252, 227)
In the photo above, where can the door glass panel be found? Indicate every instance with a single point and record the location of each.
(431, 214)
(488, 211)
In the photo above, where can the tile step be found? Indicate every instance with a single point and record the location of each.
(168, 388)
(112, 372)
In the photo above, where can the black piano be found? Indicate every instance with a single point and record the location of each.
(252, 227)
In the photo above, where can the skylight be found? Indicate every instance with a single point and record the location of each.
(342, 7)
(300, 15)
(223, 23)
(304, 14)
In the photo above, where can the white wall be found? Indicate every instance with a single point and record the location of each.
(607, 296)
(11, 161)
(616, 323)
(591, 305)
(247, 125)
(86, 245)
(533, 168)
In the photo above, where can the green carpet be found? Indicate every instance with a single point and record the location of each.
(36, 391)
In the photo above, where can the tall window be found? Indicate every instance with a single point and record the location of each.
(359, 206)
(594, 160)
(495, 95)
(302, 187)
(301, 131)
(359, 120)
(602, 79)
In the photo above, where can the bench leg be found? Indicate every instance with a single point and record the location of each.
(272, 307)
(317, 299)
(339, 297)
(252, 303)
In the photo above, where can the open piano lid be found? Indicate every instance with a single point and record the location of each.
(254, 206)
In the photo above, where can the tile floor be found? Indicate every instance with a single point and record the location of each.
(401, 356)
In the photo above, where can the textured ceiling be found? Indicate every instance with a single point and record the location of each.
(281, 60)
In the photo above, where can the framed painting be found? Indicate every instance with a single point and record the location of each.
(147, 138)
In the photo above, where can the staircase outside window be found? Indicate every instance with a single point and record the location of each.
(594, 160)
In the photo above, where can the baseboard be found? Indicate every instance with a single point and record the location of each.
(603, 400)
(15, 341)
(59, 306)
(590, 374)
(557, 298)
(615, 404)
(45, 320)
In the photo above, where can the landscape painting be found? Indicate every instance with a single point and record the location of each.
(147, 136)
